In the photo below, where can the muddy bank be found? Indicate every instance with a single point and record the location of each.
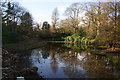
(10, 70)
(11, 59)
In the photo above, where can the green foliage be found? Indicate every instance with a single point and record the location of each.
(79, 36)
(76, 38)
(81, 33)
(7, 36)
(83, 39)
(76, 47)
(68, 38)
(26, 20)
(45, 25)
(16, 23)
(44, 34)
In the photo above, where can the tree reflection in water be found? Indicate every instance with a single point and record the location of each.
(74, 69)
(54, 63)
(73, 62)
(39, 55)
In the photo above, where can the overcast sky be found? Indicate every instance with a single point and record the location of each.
(41, 10)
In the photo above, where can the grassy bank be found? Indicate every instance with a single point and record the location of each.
(23, 46)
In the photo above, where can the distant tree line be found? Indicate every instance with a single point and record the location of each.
(95, 21)
(100, 21)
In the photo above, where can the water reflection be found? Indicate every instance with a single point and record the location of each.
(54, 63)
(76, 47)
(80, 57)
(40, 54)
(58, 61)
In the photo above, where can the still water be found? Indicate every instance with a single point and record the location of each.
(71, 61)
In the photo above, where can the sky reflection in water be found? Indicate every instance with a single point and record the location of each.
(61, 62)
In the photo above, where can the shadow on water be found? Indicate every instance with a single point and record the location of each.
(72, 61)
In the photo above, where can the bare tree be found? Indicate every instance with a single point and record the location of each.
(55, 17)
(73, 12)
(96, 16)
(66, 25)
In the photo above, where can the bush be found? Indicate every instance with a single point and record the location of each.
(9, 36)
(81, 33)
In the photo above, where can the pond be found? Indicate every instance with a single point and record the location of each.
(71, 61)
